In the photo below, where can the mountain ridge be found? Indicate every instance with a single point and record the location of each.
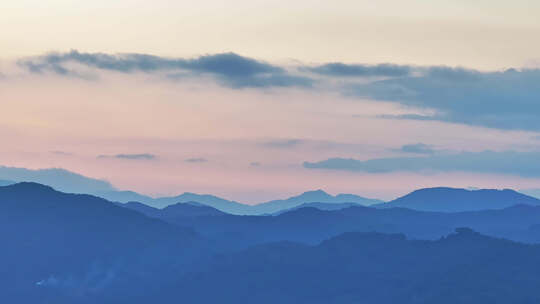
(447, 199)
(468, 200)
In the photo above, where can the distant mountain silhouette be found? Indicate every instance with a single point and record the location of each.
(236, 208)
(455, 200)
(162, 202)
(205, 199)
(317, 196)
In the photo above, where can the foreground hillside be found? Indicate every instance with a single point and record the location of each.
(464, 267)
(79, 242)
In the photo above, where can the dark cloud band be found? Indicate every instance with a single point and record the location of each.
(360, 70)
(507, 100)
(502, 100)
(231, 69)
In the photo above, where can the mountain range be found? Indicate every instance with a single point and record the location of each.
(67, 181)
(439, 199)
(313, 222)
(233, 207)
(76, 248)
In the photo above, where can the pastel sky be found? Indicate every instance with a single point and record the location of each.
(252, 100)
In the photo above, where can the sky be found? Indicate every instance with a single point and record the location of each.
(255, 100)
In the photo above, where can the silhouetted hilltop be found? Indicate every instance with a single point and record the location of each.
(189, 209)
(320, 206)
(205, 199)
(78, 240)
(454, 200)
(175, 213)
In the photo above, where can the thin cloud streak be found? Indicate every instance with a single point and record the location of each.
(196, 160)
(142, 156)
(418, 148)
(524, 164)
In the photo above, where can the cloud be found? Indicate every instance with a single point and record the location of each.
(525, 164)
(230, 69)
(503, 100)
(62, 153)
(407, 117)
(283, 143)
(360, 70)
(255, 164)
(196, 160)
(507, 100)
(418, 148)
(142, 156)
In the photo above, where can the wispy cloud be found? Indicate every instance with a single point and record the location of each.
(142, 156)
(196, 160)
(62, 153)
(418, 148)
(282, 143)
(408, 117)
